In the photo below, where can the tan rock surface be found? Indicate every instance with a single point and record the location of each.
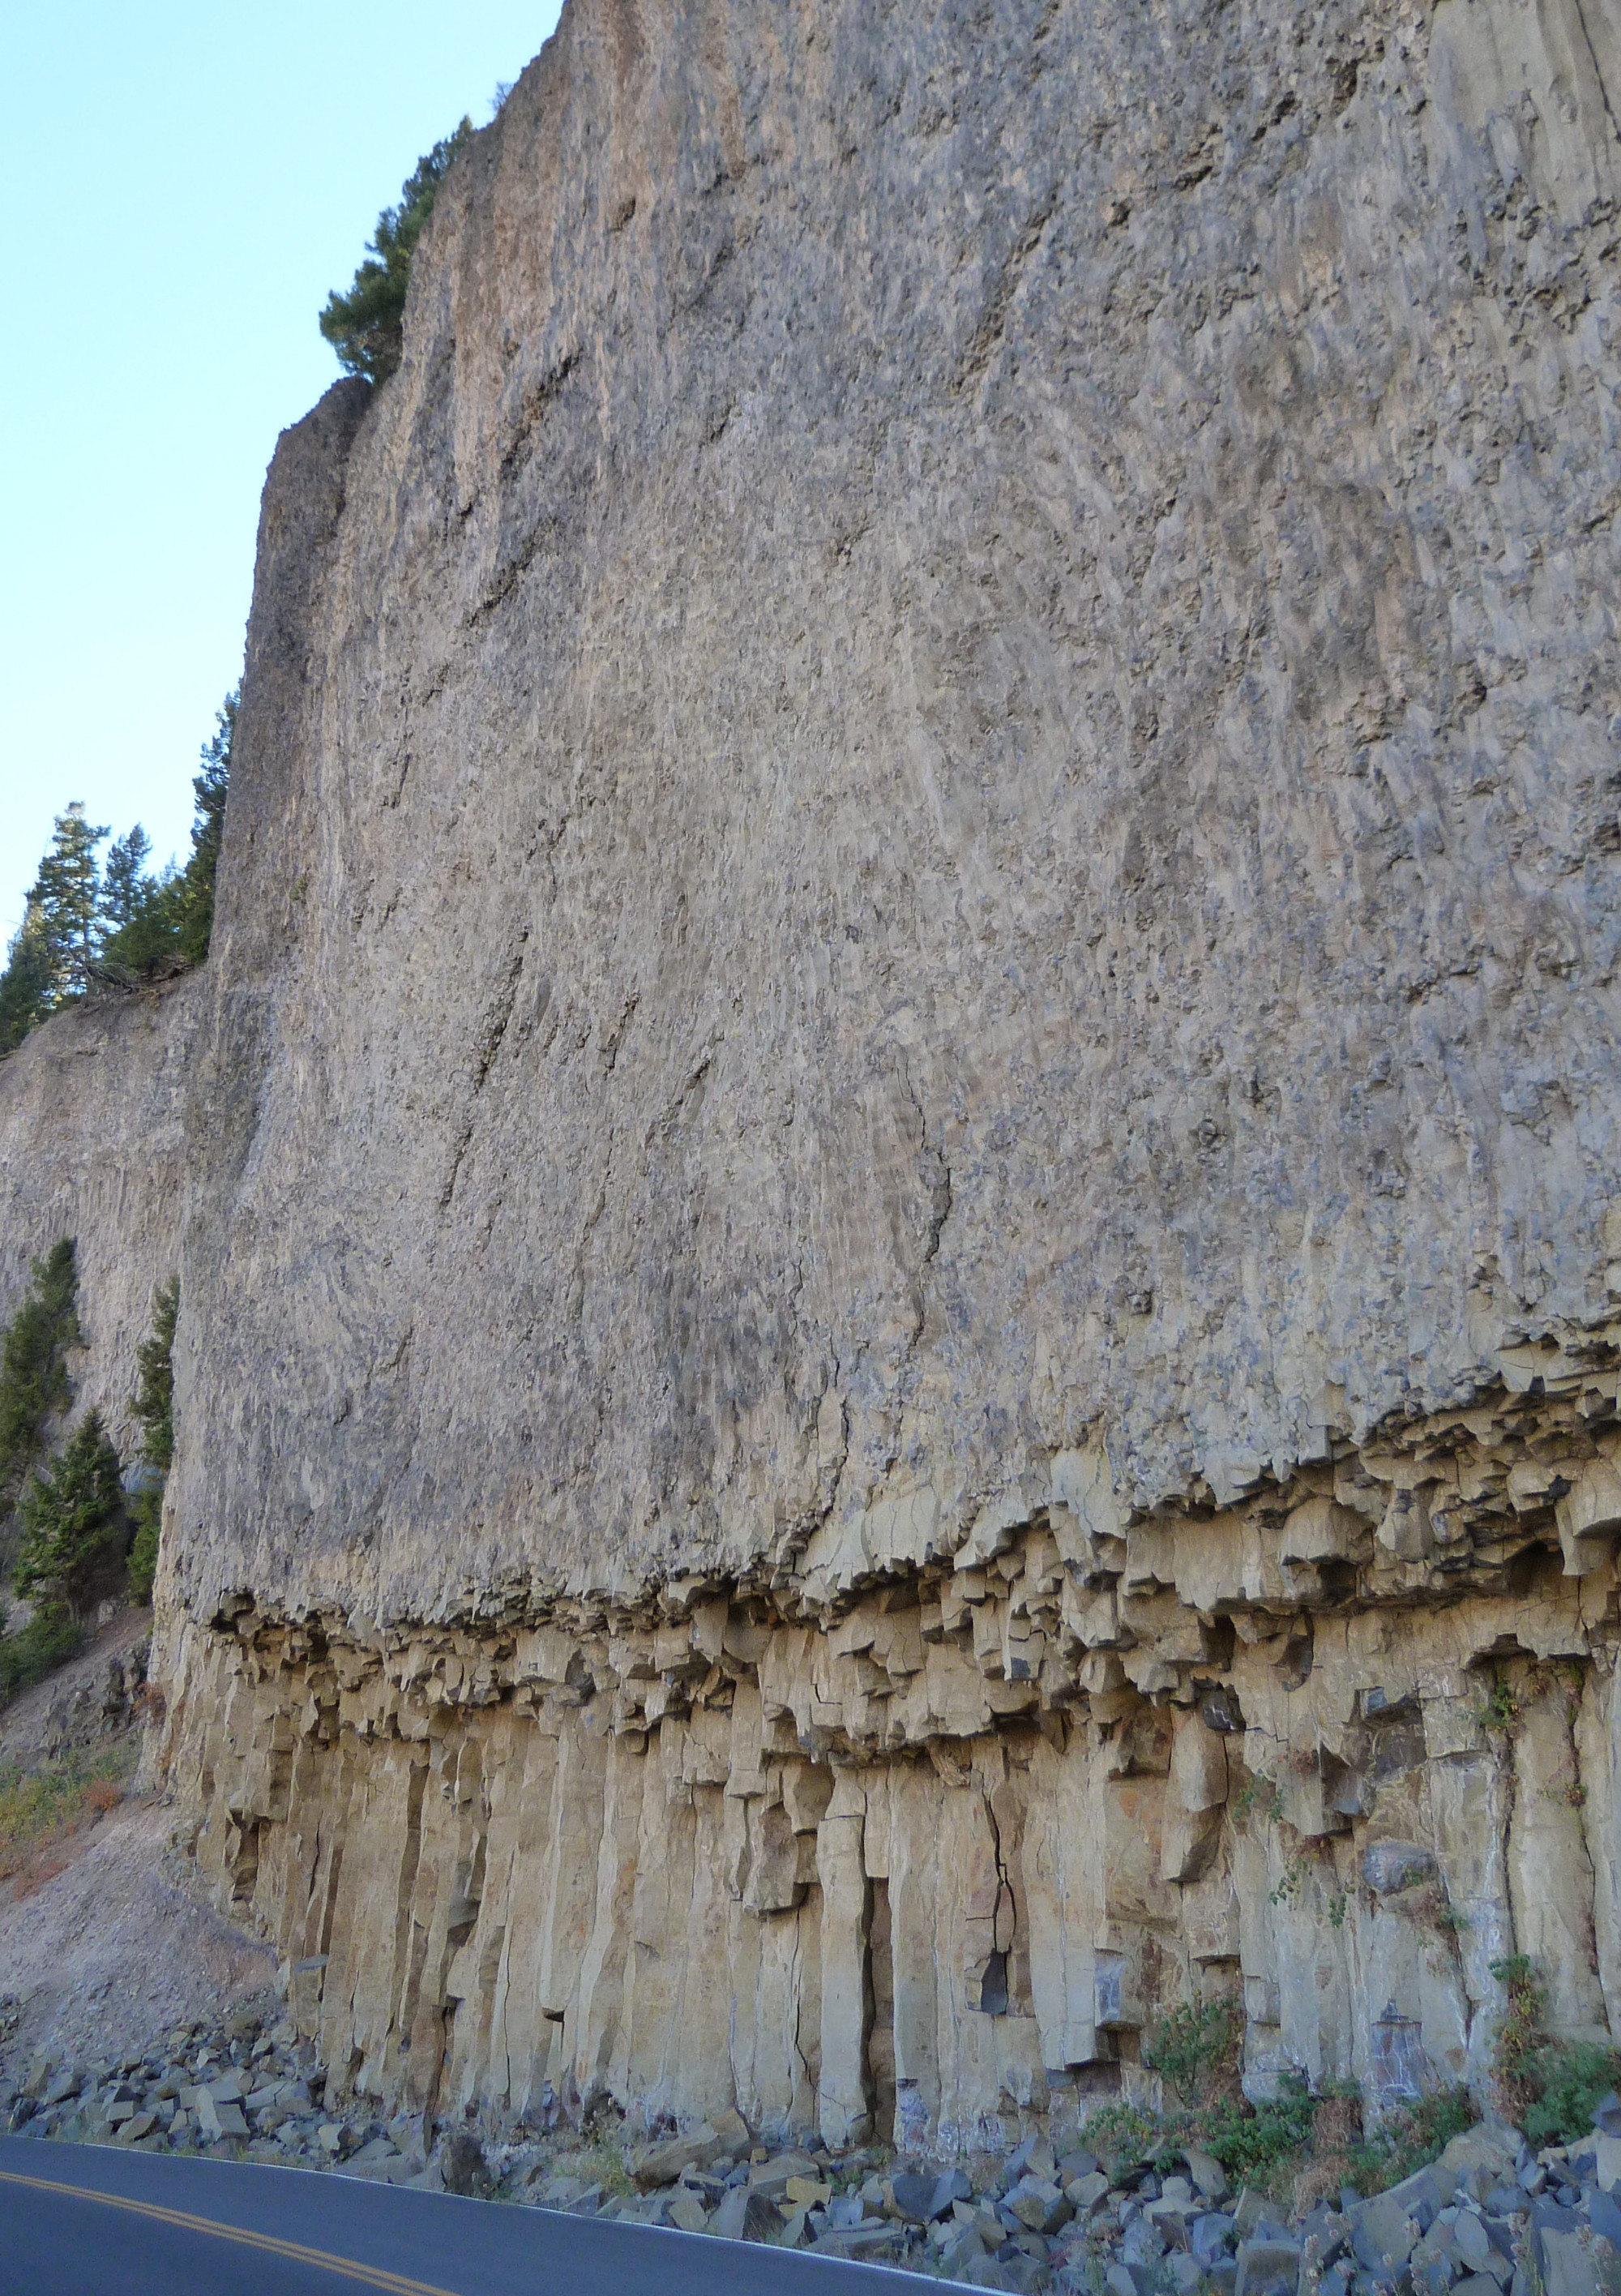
(897, 1331)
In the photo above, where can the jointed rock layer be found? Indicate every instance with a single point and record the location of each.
(931, 1859)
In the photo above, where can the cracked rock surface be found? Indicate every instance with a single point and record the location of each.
(937, 780)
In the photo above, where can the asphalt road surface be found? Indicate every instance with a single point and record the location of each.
(88, 2220)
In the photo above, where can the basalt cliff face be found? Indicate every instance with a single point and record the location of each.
(93, 1145)
(902, 1266)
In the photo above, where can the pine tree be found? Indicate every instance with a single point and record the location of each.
(139, 923)
(69, 1513)
(194, 887)
(26, 984)
(154, 1407)
(33, 1360)
(154, 1397)
(68, 894)
(125, 881)
(365, 327)
(123, 922)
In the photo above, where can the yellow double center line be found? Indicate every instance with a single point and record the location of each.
(370, 2276)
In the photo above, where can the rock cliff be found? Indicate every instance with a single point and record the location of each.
(93, 1145)
(897, 1330)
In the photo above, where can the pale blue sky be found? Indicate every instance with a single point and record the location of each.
(187, 183)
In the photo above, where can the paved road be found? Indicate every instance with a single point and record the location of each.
(88, 2220)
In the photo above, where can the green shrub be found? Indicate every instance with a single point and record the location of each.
(1255, 2143)
(48, 1641)
(1118, 2133)
(1574, 2076)
(1270, 2143)
(365, 327)
(1195, 2050)
(1258, 2144)
(1550, 2088)
(1409, 2140)
(69, 1515)
(1194, 2047)
(33, 1362)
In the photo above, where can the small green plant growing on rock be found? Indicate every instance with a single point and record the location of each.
(1289, 1884)
(1433, 1908)
(1550, 2088)
(69, 1515)
(1257, 1797)
(1518, 2033)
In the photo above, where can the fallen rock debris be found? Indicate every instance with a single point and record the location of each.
(1489, 2218)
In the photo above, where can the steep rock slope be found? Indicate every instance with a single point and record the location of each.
(952, 788)
(898, 1278)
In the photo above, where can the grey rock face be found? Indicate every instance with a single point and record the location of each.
(938, 775)
(925, 845)
(93, 1145)
(1389, 1865)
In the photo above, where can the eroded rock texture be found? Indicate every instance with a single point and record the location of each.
(938, 777)
(898, 1284)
